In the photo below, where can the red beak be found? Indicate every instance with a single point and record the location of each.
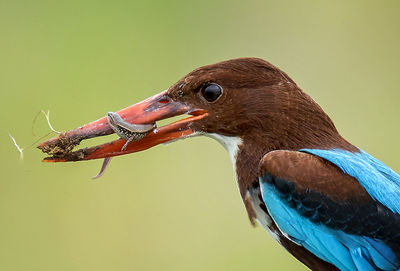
(149, 111)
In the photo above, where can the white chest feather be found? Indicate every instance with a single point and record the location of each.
(261, 216)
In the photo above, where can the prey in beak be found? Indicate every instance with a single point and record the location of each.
(125, 130)
(128, 131)
(135, 125)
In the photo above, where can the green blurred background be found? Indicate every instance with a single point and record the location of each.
(174, 207)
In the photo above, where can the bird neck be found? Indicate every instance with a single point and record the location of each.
(255, 145)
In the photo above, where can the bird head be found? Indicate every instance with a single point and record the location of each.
(247, 99)
(238, 95)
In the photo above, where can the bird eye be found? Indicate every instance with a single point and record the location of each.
(211, 92)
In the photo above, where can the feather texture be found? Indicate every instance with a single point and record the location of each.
(381, 182)
(327, 211)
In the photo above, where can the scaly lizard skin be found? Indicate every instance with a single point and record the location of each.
(125, 130)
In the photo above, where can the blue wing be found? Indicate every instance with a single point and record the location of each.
(354, 234)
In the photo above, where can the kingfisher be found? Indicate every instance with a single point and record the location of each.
(328, 203)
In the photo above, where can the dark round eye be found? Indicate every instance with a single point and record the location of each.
(211, 92)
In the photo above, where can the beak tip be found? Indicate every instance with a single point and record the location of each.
(49, 160)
